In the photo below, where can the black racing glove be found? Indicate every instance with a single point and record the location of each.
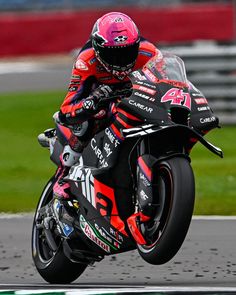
(90, 103)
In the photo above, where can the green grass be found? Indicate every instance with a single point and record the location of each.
(25, 166)
(215, 177)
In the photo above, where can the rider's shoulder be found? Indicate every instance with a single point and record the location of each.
(147, 48)
(85, 59)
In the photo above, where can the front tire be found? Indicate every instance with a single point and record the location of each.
(53, 266)
(175, 191)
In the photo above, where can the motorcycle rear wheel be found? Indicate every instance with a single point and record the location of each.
(53, 266)
(175, 190)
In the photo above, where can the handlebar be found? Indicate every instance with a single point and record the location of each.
(117, 94)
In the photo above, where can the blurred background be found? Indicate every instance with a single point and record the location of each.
(38, 42)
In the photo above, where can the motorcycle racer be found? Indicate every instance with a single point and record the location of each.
(102, 67)
(114, 50)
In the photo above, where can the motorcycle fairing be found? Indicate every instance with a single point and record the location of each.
(102, 229)
(93, 187)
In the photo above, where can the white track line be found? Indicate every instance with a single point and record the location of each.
(121, 289)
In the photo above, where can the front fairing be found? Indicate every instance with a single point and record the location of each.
(157, 88)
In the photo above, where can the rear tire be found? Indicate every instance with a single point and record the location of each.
(54, 267)
(176, 190)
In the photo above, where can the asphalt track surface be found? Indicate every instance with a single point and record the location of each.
(35, 74)
(206, 261)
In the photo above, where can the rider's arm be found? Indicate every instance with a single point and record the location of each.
(83, 80)
(86, 107)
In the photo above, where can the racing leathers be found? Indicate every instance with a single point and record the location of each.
(90, 82)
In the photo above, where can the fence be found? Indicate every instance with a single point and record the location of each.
(212, 69)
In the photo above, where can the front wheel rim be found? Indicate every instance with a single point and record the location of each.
(164, 185)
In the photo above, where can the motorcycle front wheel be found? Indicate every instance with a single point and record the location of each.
(53, 266)
(174, 192)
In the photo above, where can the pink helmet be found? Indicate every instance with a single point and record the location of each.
(115, 39)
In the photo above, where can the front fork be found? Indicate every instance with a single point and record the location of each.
(145, 184)
(145, 208)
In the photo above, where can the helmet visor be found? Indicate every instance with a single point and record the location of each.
(120, 57)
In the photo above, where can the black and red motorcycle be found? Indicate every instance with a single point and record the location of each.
(133, 187)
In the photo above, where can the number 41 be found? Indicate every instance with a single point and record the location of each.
(177, 97)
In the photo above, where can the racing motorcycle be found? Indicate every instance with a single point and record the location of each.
(133, 187)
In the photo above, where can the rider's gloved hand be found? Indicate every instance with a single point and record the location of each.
(90, 103)
(103, 91)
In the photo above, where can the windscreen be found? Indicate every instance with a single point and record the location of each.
(167, 66)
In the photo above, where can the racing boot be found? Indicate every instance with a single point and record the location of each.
(68, 158)
(47, 138)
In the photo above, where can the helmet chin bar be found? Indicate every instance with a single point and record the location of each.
(119, 73)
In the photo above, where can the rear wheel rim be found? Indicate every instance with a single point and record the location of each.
(40, 245)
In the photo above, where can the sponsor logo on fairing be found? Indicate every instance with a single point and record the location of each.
(144, 96)
(98, 153)
(86, 181)
(141, 106)
(207, 120)
(201, 100)
(145, 84)
(150, 75)
(143, 195)
(144, 89)
(201, 109)
(111, 137)
(104, 234)
(137, 75)
(116, 234)
(107, 149)
(92, 236)
(144, 179)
